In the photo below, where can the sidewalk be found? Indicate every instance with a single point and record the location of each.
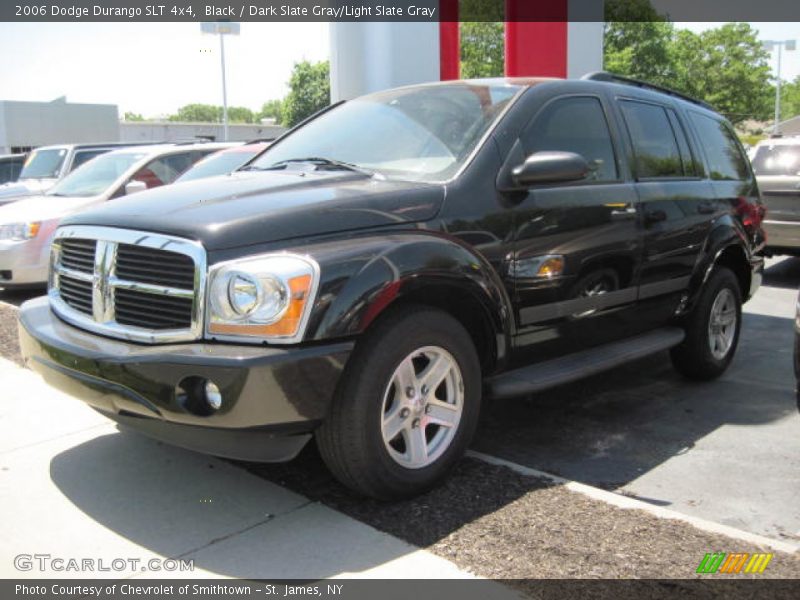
(72, 486)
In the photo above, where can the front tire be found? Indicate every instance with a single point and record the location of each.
(712, 329)
(407, 406)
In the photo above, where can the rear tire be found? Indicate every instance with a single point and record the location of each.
(389, 434)
(712, 329)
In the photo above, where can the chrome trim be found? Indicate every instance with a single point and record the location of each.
(307, 309)
(104, 282)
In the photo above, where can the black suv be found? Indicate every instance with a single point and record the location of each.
(373, 274)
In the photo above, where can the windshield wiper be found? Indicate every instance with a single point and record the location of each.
(324, 162)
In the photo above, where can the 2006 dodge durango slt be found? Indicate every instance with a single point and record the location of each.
(373, 274)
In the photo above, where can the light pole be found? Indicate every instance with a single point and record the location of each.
(769, 46)
(222, 29)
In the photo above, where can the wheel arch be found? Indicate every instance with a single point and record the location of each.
(377, 277)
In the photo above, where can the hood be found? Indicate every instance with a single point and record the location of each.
(251, 207)
(10, 192)
(42, 208)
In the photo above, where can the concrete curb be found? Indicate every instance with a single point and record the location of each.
(635, 504)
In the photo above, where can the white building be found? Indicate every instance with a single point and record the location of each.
(25, 125)
(171, 131)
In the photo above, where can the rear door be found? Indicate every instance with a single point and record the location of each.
(676, 202)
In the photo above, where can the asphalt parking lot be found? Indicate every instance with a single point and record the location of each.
(726, 451)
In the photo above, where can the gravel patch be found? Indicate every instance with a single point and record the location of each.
(9, 344)
(500, 524)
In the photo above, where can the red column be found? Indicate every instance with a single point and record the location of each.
(536, 38)
(449, 41)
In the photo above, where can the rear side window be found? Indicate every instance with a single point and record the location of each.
(576, 124)
(778, 159)
(654, 140)
(725, 158)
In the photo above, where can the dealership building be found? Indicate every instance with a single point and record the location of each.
(27, 125)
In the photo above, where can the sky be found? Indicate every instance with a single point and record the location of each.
(152, 68)
(155, 68)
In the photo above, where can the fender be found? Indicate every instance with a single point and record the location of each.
(362, 277)
(726, 232)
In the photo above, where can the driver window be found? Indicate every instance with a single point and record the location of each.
(577, 125)
(156, 173)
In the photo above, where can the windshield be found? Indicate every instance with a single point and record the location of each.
(422, 133)
(97, 175)
(219, 164)
(44, 164)
(777, 160)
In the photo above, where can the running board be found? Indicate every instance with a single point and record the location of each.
(550, 373)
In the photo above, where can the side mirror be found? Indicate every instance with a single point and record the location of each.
(134, 186)
(550, 167)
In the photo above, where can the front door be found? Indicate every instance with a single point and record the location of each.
(577, 246)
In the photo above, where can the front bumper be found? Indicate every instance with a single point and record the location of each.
(23, 263)
(272, 398)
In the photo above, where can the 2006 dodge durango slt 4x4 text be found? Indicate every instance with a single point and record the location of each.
(373, 274)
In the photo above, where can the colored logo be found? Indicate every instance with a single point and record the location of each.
(735, 562)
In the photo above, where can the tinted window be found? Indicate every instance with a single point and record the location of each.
(83, 156)
(654, 144)
(725, 159)
(777, 160)
(574, 125)
(165, 170)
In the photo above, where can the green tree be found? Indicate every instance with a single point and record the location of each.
(271, 109)
(132, 116)
(240, 114)
(309, 91)
(482, 38)
(727, 67)
(198, 113)
(790, 99)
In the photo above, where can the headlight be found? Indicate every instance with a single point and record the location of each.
(19, 231)
(266, 297)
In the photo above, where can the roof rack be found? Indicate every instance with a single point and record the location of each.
(260, 140)
(612, 78)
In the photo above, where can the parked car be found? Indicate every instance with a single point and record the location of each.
(223, 162)
(27, 226)
(338, 288)
(47, 165)
(776, 163)
(10, 167)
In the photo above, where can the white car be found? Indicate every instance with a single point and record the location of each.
(27, 226)
(47, 165)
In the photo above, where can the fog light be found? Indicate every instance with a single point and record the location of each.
(213, 395)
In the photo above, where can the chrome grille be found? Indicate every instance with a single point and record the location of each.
(155, 266)
(129, 284)
(78, 255)
(156, 312)
(76, 293)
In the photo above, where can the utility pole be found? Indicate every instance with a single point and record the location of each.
(222, 29)
(769, 46)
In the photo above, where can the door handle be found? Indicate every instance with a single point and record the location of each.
(654, 216)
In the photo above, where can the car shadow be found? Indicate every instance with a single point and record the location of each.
(182, 505)
(606, 431)
(612, 428)
(17, 296)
